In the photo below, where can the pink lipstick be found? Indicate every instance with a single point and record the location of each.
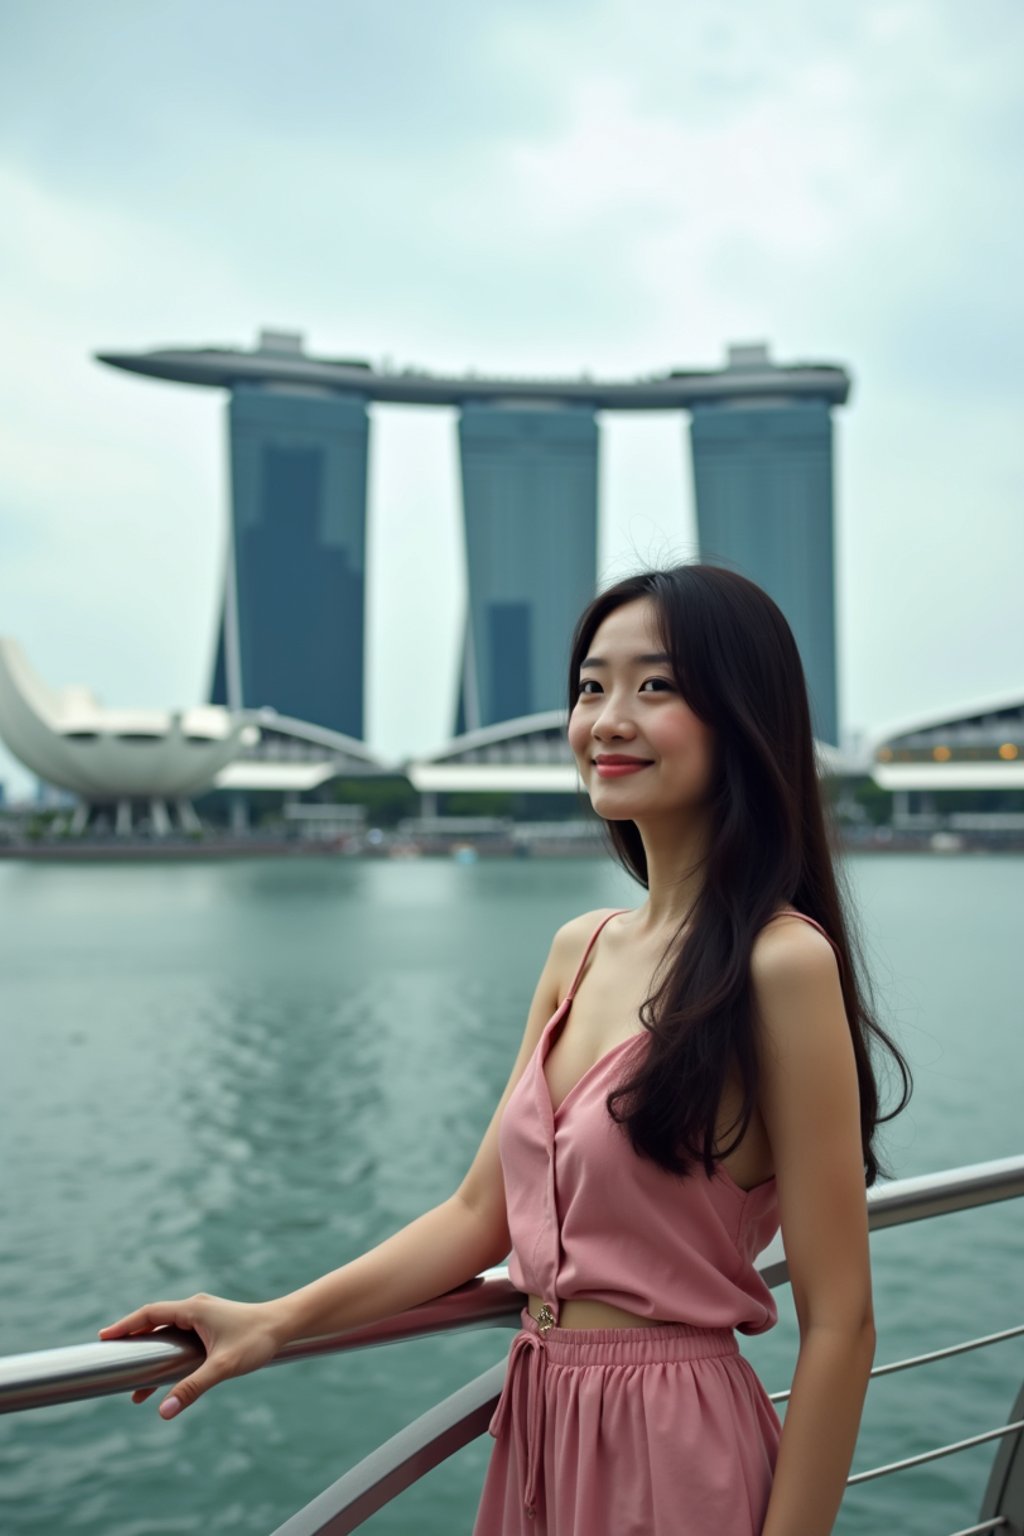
(616, 767)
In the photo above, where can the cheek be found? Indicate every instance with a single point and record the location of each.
(578, 732)
(681, 735)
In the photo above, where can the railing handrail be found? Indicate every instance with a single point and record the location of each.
(99, 1368)
(96, 1369)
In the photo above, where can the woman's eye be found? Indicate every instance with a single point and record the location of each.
(658, 684)
(589, 685)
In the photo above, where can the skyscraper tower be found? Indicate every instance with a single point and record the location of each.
(292, 635)
(529, 497)
(292, 629)
(762, 469)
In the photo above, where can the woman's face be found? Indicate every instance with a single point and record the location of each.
(641, 751)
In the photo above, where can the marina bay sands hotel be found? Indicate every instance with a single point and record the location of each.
(292, 632)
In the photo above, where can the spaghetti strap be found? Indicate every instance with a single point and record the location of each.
(586, 953)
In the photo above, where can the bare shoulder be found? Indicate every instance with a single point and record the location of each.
(789, 950)
(795, 977)
(571, 940)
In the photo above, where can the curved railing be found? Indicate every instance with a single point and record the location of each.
(97, 1369)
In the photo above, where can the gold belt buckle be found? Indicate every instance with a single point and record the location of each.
(545, 1318)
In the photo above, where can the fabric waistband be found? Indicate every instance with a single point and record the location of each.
(662, 1342)
(534, 1349)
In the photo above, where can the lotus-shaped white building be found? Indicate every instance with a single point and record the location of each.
(144, 762)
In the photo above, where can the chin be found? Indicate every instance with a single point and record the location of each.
(615, 807)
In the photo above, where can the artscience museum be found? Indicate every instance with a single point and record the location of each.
(144, 766)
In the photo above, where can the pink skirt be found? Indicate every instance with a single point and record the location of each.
(661, 1431)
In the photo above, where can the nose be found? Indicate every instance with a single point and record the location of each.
(612, 722)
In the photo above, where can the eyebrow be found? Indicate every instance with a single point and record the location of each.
(651, 659)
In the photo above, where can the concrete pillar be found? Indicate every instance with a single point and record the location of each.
(187, 818)
(123, 819)
(159, 819)
(239, 814)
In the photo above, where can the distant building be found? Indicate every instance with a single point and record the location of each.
(133, 769)
(292, 634)
(529, 497)
(957, 770)
(129, 764)
(762, 469)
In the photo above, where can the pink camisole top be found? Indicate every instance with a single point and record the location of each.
(590, 1218)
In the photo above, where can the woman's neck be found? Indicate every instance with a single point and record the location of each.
(675, 871)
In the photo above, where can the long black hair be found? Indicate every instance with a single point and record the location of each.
(737, 666)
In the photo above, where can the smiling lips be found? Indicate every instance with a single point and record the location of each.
(615, 766)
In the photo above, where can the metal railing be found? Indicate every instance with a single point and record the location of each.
(97, 1369)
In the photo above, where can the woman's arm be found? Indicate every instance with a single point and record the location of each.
(811, 1108)
(444, 1248)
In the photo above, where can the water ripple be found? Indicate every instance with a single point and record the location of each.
(235, 1078)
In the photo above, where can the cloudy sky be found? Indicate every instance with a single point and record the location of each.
(544, 186)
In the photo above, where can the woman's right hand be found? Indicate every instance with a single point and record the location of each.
(238, 1337)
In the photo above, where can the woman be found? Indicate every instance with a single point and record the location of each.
(692, 1073)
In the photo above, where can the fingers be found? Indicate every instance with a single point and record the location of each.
(190, 1390)
(144, 1319)
(237, 1338)
(157, 1314)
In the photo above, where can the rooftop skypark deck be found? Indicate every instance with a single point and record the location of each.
(279, 359)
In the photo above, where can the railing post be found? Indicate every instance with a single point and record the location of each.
(1004, 1495)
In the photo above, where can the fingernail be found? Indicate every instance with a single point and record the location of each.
(170, 1406)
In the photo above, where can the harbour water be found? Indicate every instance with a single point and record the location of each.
(236, 1076)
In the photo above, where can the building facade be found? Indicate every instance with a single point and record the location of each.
(292, 634)
(762, 470)
(292, 630)
(529, 497)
